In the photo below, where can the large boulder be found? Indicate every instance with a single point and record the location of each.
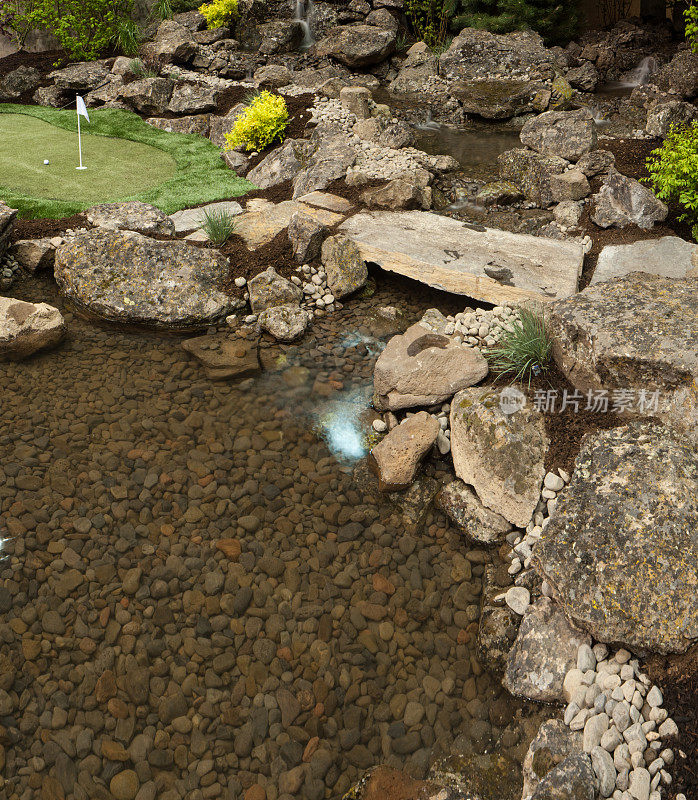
(417, 71)
(26, 328)
(148, 95)
(477, 54)
(173, 43)
(566, 134)
(501, 98)
(621, 547)
(269, 289)
(285, 323)
(460, 503)
(635, 335)
(532, 173)
(680, 75)
(553, 743)
(345, 268)
(421, 368)
(34, 254)
(280, 36)
(661, 116)
(501, 455)
(131, 216)
(80, 77)
(124, 276)
(571, 779)
(395, 458)
(328, 157)
(669, 256)
(622, 201)
(194, 98)
(357, 45)
(18, 82)
(281, 165)
(543, 653)
(7, 222)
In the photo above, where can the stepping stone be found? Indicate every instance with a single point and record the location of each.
(259, 227)
(669, 257)
(225, 357)
(330, 202)
(191, 219)
(483, 263)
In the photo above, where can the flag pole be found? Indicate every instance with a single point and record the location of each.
(79, 143)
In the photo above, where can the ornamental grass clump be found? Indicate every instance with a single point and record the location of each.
(261, 123)
(219, 13)
(219, 225)
(673, 171)
(524, 349)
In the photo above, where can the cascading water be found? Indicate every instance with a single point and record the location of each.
(641, 73)
(302, 15)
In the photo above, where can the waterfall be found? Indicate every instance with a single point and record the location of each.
(641, 73)
(302, 14)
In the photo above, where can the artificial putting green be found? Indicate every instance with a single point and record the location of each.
(126, 159)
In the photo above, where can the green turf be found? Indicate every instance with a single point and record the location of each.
(126, 159)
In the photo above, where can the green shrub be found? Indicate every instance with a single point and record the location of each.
(128, 36)
(219, 225)
(673, 170)
(219, 13)
(84, 28)
(263, 121)
(690, 16)
(141, 70)
(429, 19)
(524, 349)
(162, 9)
(555, 21)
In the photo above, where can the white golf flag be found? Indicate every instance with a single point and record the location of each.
(81, 107)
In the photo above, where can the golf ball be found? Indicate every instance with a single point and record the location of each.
(46, 161)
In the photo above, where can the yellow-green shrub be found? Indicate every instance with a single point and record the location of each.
(263, 121)
(219, 13)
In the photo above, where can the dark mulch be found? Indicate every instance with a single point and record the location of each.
(246, 263)
(44, 62)
(37, 228)
(352, 193)
(677, 676)
(631, 157)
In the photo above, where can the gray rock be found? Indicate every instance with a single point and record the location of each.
(572, 779)
(306, 235)
(565, 134)
(280, 36)
(396, 194)
(273, 76)
(18, 82)
(198, 123)
(570, 185)
(669, 257)
(551, 745)
(500, 98)
(192, 219)
(34, 254)
(633, 333)
(193, 98)
(80, 77)
(329, 156)
(173, 44)
(396, 458)
(596, 163)
(680, 75)
(602, 762)
(465, 510)
(568, 212)
(225, 357)
(346, 270)
(131, 216)
(498, 625)
(269, 289)
(642, 534)
(281, 165)
(662, 115)
(477, 54)
(26, 328)
(383, 131)
(544, 651)
(357, 45)
(286, 323)
(416, 70)
(532, 173)
(421, 368)
(123, 276)
(357, 100)
(501, 455)
(221, 126)
(585, 77)
(622, 201)
(149, 96)
(499, 193)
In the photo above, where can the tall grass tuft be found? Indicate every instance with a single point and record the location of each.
(219, 225)
(524, 350)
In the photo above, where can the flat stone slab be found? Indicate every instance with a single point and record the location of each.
(330, 202)
(486, 264)
(259, 226)
(621, 547)
(191, 219)
(226, 356)
(669, 257)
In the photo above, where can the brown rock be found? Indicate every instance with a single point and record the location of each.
(230, 548)
(391, 784)
(105, 688)
(395, 459)
(225, 357)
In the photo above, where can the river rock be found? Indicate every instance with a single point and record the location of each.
(565, 134)
(124, 276)
(478, 54)
(34, 254)
(544, 651)
(532, 173)
(488, 264)
(635, 333)
(421, 368)
(7, 222)
(553, 743)
(621, 545)
(662, 115)
(346, 269)
(669, 257)
(622, 201)
(225, 357)
(173, 43)
(502, 456)
(460, 503)
(286, 323)
(500, 98)
(26, 328)
(395, 458)
(131, 216)
(357, 45)
(572, 779)
(269, 289)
